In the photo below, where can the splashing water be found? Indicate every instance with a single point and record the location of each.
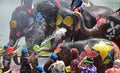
(58, 33)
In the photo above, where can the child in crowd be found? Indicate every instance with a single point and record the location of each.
(87, 66)
(115, 68)
(74, 60)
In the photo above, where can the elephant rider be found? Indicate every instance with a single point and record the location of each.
(115, 68)
(27, 5)
(56, 2)
(77, 5)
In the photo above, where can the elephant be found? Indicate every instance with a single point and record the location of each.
(63, 17)
(103, 51)
(23, 24)
(108, 27)
(55, 18)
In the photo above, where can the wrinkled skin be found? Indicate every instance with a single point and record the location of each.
(102, 61)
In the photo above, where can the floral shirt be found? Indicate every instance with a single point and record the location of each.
(25, 67)
(90, 69)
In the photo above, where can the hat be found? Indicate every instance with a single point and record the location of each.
(6, 46)
(53, 56)
(88, 60)
(24, 51)
(10, 50)
(117, 62)
(39, 68)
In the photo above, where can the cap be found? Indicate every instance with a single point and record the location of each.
(6, 46)
(88, 60)
(39, 68)
(24, 51)
(53, 56)
(10, 50)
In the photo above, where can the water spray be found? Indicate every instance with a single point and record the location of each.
(58, 33)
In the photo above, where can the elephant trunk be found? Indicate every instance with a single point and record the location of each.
(95, 31)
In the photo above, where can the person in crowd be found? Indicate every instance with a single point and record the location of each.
(7, 56)
(57, 67)
(56, 2)
(51, 59)
(25, 61)
(77, 5)
(40, 69)
(15, 65)
(26, 3)
(87, 66)
(115, 68)
(74, 60)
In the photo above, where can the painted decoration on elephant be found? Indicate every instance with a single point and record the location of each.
(106, 61)
(112, 30)
(18, 33)
(52, 24)
(88, 52)
(68, 21)
(59, 20)
(103, 49)
(13, 23)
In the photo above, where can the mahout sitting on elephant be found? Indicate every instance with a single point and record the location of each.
(103, 51)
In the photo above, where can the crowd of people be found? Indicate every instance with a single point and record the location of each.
(53, 64)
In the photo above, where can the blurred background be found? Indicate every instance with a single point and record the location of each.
(8, 6)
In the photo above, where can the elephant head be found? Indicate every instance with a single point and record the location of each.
(107, 26)
(18, 22)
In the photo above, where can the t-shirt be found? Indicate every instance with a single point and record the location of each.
(25, 67)
(90, 69)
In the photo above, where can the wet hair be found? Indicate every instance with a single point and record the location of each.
(74, 53)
